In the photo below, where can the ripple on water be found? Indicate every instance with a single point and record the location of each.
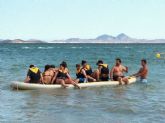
(45, 48)
(25, 47)
(122, 104)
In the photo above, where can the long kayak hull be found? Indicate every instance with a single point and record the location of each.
(29, 86)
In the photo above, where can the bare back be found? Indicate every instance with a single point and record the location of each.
(48, 76)
(143, 72)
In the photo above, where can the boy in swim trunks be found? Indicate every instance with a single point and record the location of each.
(80, 74)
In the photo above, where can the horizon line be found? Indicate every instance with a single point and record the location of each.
(76, 37)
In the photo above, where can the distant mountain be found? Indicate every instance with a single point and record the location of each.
(121, 38)
(21, 41)
(105, 37)
(73, 39)
(35, 41)
(6, 41)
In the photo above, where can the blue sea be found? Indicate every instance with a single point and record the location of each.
(136, 103)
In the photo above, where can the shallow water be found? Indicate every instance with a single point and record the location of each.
(122, 104)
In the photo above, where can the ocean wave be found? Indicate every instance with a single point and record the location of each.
(121, 109)
(140, 51)
(76, 47)
(126, 47)
(45, 47)
(25, 47)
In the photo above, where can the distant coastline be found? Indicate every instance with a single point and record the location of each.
(121, 38)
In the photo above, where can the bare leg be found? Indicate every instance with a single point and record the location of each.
(62, 82)
(91, 79)
(96, 75)
(125, 80)
(76, 81)
(120, 80)
(69, 81)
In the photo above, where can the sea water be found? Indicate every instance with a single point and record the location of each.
(136, 103)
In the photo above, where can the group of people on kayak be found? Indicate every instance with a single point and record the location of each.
(84, 73)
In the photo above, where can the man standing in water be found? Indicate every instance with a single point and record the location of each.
(117, 72)
(143, 72)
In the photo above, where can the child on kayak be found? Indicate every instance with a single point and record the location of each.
(80, 74)
(62, 76)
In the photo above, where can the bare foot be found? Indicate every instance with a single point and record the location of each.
(120, 83)
(76, 85)
(65, 86)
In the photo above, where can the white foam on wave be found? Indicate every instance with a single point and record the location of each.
(45, 47)
(25, 47)
(76, 47)
(126, 47)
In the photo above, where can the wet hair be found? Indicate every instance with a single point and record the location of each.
(78, 65)
(99, 62)
(118, 59)
(31, 66)
(52, 66)
(47, 67)
(144, 60)
(83, 62)
(64, 64)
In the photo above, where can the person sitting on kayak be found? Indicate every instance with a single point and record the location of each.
(80, 74)
(49, 74)
(62, 76)
(88, 70)
(34, 75)
(117, 71)
(102, 73)
(143, 72)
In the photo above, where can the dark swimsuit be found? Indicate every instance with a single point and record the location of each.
(34, 77)
(62, 75)
(115, 77)
(104, 78)
(81, 77)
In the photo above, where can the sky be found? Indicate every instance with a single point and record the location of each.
(62, 19)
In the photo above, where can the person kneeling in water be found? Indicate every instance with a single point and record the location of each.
(62, 76)
(49, 74)
(117, 72)
(143, 72)
(102, 73)
(81, 74)
(33, 75)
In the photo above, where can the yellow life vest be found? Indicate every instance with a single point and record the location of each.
(34, 69)
(104, 65)
(104, 70)
(88, 67)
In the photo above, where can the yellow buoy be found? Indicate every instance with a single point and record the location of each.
(158, 55)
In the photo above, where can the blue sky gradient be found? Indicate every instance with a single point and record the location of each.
(61, 19)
